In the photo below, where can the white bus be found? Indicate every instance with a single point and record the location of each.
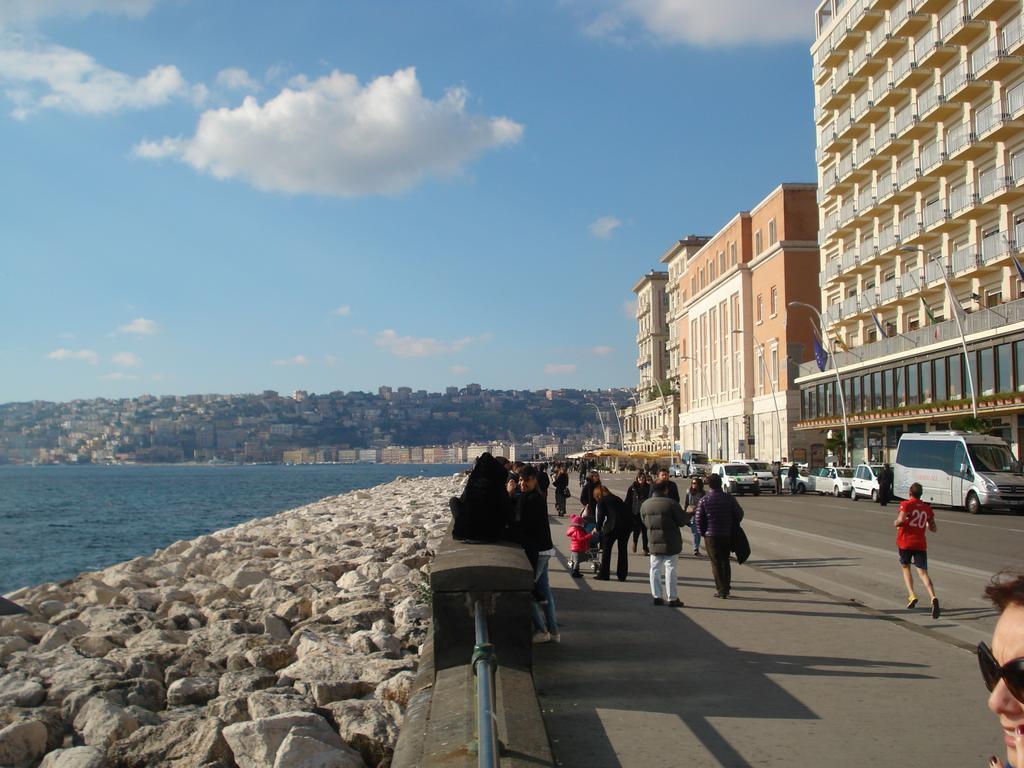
(959, 469)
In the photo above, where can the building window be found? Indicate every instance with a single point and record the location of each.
(913, 323)
(775, 366)
(956, 377)
(757, 242)
(732, 254)
(887, 381)
(993, 297)
(773, 301)
(693, 285)
(939, 379)
(1019, 354)
(771, 232)
(721, 258)
(926, 382)
(701, 273)
(913, 393)
(711, 272)
(1004, 368)
(988, 372)
(876, 390)
(760, 308)
(760, 372)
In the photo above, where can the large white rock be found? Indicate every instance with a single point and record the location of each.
(245, 577)
(255, 744)
(301, 751)
(11, 645)
(75, 757)
(22, 744)
(100, 722)
(18, 692)
(191, 690)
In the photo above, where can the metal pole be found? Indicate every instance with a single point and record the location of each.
(714, 418)
(488, 749)
(835, 366)
(955, 306)
(771, 383)
(615, 410)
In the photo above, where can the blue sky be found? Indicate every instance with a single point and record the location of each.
(238, 195)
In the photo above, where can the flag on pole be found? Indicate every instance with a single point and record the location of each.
(878, 325)
(1016, 263)
(840, 343)
(820, 355)
(930, 314)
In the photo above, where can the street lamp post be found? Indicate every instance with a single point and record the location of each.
(835, 367)
(771, 383)
(955, 306)
(600, 418)
(714, 418)
(615, 410)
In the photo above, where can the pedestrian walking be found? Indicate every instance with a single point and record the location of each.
(663, 518)
(673, 489)
(535, 536)
(561, 486)
(1002, 666)
(637, 494)
(587, 493)
(615, 524)
(718, 514)
(777, 475)
(693, 496)
(886, 479)
(794, 475)
(915, 516)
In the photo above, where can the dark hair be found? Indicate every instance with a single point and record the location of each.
(698, 482)
(660, 488)
(598, 493)
(641, 475)
(527, 471)
(1006, 589)
(916, 490)
(715, 482)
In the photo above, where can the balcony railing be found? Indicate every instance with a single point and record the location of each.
(933, 271)
(908, 343)
(930, 157)
(907, 173)
(831, 221)
(849, 260)
(886, 238)
(981, 56)
(1017, 167)
(901, 67)
(955, 79)
(879, 85)
(994, 247)
(905, 118)
(833, 268)
(888, 291)
(933, 212)
(957, 137)
(960, 197)
(866, 198)
(965, 259)
(950, 21)
(849, 306)
(927, 100)
(1015, 99)
(847, 212)
(846, 164)
(924, 44)
(868, 250)
(861, 104)
(909, 283)
(984, 119)
(1012, 33)
(908, 226)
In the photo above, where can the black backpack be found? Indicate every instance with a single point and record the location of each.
(484, 511)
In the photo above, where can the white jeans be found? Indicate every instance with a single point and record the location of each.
(666, 564)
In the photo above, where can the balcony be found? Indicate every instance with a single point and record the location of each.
(906, 174)
(990, 62)
(995, 251)
(865, 15)
(931, 158)
(934, 213)
(1011, 37)
(957, 28)
(990, 10)
(910, 286)
(886, 187)
(832, 269)
(931, 51)
(910, 229)
(928, 6)
(862, 105)
(849, 307)
(959, 85)
(1004, 126)
(903, 21)
(965, 260)
(888, 291)
(962, 200)
(888, 240)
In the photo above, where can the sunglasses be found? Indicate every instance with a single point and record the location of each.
(1011, 673)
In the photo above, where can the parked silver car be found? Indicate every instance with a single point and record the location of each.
(835, 480)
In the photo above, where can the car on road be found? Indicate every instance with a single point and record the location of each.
(695, 463)
(835, 480)
(865, 482)
(737, 478)
(676, 470)
(765, 478)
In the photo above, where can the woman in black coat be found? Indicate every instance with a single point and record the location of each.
(615, 522)
(637, 494)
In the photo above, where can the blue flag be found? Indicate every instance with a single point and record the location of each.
(820, 355)
(1016, 263)
(878, 325)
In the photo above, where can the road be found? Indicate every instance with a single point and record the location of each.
(847, 550)
(815, 660)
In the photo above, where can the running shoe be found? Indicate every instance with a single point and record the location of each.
(936, 611)
(911, 602)
(658, 601)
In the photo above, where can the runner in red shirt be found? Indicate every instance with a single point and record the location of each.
(916, 515)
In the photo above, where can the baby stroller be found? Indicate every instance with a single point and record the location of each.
(592, 555)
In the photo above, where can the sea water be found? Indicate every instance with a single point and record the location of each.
(58, 521)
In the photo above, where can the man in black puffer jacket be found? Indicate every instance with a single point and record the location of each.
(615, 522)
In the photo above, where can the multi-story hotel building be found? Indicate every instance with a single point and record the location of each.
(920, 122)
(735, 354)
(650, 424)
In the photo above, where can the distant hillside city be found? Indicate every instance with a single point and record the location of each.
(392, 426)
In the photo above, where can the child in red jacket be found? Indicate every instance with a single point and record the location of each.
(579, 542)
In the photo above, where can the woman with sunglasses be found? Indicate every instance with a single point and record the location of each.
(1002, 666)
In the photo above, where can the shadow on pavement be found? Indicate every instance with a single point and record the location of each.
(806, 562)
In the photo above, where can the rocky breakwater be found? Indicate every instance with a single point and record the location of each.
(286, 642)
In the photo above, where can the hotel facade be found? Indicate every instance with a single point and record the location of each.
(919, 111)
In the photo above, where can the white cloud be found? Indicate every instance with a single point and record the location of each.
(343, 311)
(30, 11)
(601, 350)
(728, 23)
(459, 369)
(605, 227)
(297, 360)
(334, 136)
(44, 76)
(559, 368)
(629, 309)
(410, 346)
(237, 79)
(140, 326)
(119, 376)
(126, 360)
(85, 355)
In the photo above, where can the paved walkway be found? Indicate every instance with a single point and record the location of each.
(777, 676)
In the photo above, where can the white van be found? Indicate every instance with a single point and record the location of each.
(695, 463)
(959, 469)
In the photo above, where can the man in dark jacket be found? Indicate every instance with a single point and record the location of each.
(663, 518)
(535, 536)
(673, 489)
(637, 494)
(793, 475)
(886, 479)
(718, 515)
(615, 523)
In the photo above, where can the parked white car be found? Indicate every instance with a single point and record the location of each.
(737, 478)
(865, 482)
(763, 471)
(835, 480)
